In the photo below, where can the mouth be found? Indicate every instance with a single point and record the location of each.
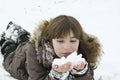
(66, 54)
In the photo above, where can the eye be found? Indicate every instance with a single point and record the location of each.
(73, 40)
(60, 41)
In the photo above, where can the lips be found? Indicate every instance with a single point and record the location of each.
(66, 54)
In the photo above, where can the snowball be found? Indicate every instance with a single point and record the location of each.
(73, 57)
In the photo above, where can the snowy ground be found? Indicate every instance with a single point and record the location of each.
(98, 17)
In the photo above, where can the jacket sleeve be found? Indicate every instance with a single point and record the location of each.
(35, 69)
(15, 63)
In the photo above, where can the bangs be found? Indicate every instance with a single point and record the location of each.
(64, 27)
(62, 31)
(61, 27)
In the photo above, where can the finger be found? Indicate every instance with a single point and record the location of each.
(66, 65)
(82, 65)
(79, 66)
(55, 67)
(69, 63)
(64, 68)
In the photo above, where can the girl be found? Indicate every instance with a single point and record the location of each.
(53, 39)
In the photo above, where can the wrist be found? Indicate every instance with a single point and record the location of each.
(80, 72)
(58, 75)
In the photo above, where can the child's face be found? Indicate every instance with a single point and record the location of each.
(65, 46)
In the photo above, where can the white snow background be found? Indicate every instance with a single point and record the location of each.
(98, 17)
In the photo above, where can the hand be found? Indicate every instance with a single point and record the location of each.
(80, 65)
(62, 68)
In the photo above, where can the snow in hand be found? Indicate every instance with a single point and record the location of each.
(73, 57)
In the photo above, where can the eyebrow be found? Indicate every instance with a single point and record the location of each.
(72, 37)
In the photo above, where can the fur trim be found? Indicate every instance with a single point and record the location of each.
(93, 49)
(37, 34)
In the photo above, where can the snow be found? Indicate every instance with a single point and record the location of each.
(98, 17)
(73, 58)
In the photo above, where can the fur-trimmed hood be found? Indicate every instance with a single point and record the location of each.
(93, 49)
(91, 43)
(36, 36)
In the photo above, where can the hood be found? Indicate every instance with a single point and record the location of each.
(36, 36)
(91, 43)
(93, 49)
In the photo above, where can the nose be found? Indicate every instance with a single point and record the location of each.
(67, 46)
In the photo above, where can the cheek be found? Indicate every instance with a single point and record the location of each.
(56, 48)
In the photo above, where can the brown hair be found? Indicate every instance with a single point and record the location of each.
(61, 27)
